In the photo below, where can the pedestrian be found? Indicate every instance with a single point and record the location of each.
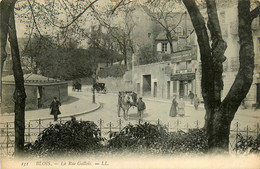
(181, 107)
(141, 108)
(173, 110)
(55, 111)
(196, 101)
(191, 96)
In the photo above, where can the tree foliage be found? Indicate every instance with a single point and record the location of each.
(146, 55)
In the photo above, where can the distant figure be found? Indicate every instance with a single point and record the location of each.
(140, 107)
(196, 101)
(191, 96)
(181, 107)
(55, 104)
(173, 110)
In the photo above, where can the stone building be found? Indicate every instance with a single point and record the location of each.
(40, 91)
(228, 17)
(153, 80)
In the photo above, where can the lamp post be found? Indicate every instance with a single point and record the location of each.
(94, 82)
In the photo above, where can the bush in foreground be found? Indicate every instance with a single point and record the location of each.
(247, 144)
(70, 137)
(156, 139)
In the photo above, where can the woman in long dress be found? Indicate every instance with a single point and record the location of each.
(173, 110)
(181, 108)
(196, 102)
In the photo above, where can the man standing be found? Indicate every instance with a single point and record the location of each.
(140, 107)
(191, 96)
(55, 104)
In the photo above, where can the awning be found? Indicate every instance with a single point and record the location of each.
(186, 76)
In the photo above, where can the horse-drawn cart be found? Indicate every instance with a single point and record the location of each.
(76, 86)
(100, 87)
(126, 100)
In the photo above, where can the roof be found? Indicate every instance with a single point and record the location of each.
(31, 78)
(162, 36)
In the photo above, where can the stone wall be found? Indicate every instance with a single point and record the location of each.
(116, 84)
(59, 90)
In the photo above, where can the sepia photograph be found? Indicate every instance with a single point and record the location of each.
(130, 84)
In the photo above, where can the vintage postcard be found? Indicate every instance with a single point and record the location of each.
(146, 84)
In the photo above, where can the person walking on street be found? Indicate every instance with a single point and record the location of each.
(181, 107)
(55, 111)
(140, 107)
(191, 96)
(173, 110)
(196, 101)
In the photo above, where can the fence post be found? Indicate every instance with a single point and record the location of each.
(168, 128)
(7, 137)
(177, 125)
(247, 131)
(120, 125)
(257, 129)
(60, 120)
(197, 124)
(39, 126)
(29, 131)
(139, 121)
(236, 135)
(158, 121)
(100, 127)
(110, 128)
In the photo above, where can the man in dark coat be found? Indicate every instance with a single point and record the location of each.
(140, 107)
(55, 104)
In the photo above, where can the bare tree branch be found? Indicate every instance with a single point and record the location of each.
(254, 13)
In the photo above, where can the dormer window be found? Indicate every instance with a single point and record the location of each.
(179, 31)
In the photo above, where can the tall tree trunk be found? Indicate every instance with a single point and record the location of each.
(169, 38)
(219, 115)
(6, 7)
(19, 93)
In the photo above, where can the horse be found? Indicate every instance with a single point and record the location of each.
(125, 101)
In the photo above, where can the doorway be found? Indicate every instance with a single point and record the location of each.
(146, 85)
(168, 89)
(155, 89)
(181, 90)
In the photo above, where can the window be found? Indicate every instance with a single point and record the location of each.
(164, 47)
(179, 31)
(149, 35)
(182, 66)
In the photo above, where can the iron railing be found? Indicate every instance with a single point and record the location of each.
(34, 127)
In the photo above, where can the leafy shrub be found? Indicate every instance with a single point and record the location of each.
(70, 137)
(113, 71)
(139, 136)
(156, 139)
(247, 144)
(193, 141)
